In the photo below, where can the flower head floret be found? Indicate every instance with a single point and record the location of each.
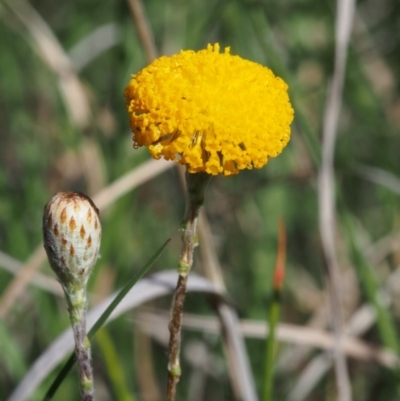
(211, 111)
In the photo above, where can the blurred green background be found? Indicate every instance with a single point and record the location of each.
(63, 126)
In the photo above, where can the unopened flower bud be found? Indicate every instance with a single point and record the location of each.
(72, 234)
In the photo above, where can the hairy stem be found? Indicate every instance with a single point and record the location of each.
(196, 184)
(77, 305)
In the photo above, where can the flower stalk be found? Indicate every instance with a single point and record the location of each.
(77, 307)
(196, 185)
(71, 234)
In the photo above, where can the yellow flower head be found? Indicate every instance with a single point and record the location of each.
(212, 112)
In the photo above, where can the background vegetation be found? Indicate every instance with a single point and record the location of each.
(63, 126)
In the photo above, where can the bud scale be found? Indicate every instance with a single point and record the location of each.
(72, 234)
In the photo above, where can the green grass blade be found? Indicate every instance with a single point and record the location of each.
(102, 319)
(12, 359)
(273, 320)
(370, 285)
(114, 369)
(274, 314)
(384, 319)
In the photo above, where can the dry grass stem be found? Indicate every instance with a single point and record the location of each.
(384, 247)
(144, 29)
(287, 333)
(210, 263)
(381, 177)
(326, 179)
(17, 286)
(94, 44)
(308, 377)
(361, 321)
(131, 180)
(41, 281)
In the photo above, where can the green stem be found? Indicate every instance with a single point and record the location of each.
(273, 319)
(77, 305)
(196, 184)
